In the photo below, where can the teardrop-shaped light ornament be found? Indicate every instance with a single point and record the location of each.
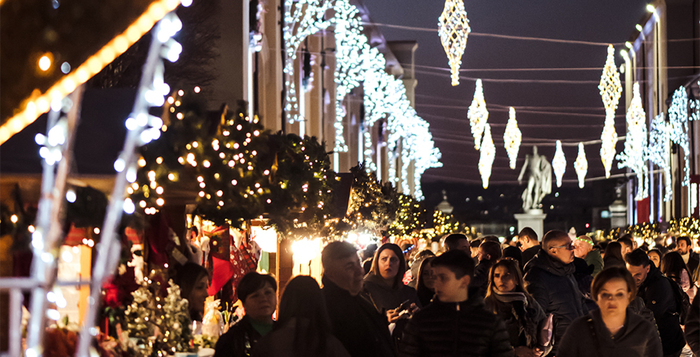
(511, 138)
(453, 29)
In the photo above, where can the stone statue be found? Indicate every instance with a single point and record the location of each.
(539, 182)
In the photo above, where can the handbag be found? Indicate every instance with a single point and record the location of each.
(545, 337)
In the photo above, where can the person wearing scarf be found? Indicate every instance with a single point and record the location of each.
(507, 297)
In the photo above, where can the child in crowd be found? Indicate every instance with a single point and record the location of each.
(455, 323)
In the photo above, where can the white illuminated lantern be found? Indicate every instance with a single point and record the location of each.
(478, 114)
(678, 120)
(511, 138)
(659, 151)
(610, 91)
(559, 164)
(488, 155)
(635, 143)
(453, 29)
(581, 166)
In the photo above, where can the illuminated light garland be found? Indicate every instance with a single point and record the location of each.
(302, 18)
(559, 163)
(635, 143)
(678, 119)
(581, 166)
(478, 114)
(511, 138)
(487, 156)
(37, 105)
(658, 151)
(142, 128)
(384, 99)
(351, 51)
(610, 91)
(453, 29)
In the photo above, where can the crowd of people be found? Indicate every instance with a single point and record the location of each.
(556, 296)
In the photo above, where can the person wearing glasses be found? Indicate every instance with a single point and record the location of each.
(550, 280)
(613, 329)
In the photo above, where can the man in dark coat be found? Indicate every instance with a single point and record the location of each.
(690, 258)
(455, 323)
(363, 331)
(657, 292)
(550, 280)
(529, 243)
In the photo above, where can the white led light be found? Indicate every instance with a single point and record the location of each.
(559, 163)
(71, 196)
(635, 143)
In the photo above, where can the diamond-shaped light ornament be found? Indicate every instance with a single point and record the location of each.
(453, 28)
(477, 114)
(488, 155)
(511, 138)
(559, 163)
(610, 91)
(581, 165)
(635, 143)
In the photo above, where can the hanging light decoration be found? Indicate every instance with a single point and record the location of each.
(635, 143)
(488, 154)
(659, 151)
(581, 165)
(678, 120)
(559, 163)
(453, 28)
(512, 138)
(610, 91)
(477, 114)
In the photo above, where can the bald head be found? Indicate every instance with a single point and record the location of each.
(558, 245)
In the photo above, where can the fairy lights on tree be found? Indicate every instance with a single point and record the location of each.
(478, 114)
(610, 91)
(659, 151)
(302, 18)
(453, 29)
(581, 166)
(559, 163)
(487, 156)
(678, 120)
(635, 143)
(511, 138)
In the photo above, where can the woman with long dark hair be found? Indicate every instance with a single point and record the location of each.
(613, 256)
(425, 282)
(303, 327)
(613, 329)
(508, 298)
(674, 267)
(383, 285)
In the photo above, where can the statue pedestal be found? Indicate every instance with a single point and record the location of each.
(534, 219)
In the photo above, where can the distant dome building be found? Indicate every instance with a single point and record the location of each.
(444, 206)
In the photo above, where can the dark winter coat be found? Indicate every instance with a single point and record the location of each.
(455, 329)
(692, 327)
(280, 342)
(553, 285)
(238, 341)
(657, 292)
(384, 297)
(480, 281)
(637, 338)
(693, 262)
(530, 253)
(522, 322)
(360, 328)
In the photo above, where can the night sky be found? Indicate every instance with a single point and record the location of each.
(569, 109)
